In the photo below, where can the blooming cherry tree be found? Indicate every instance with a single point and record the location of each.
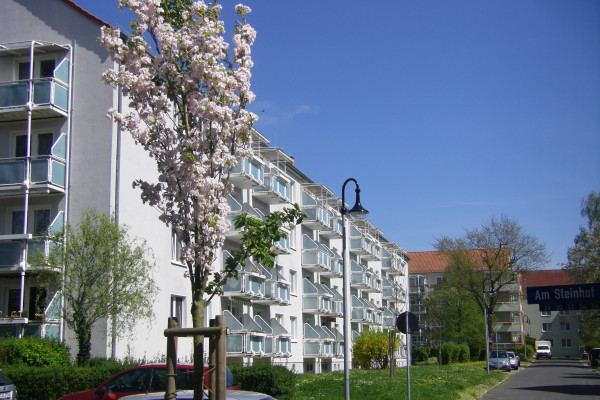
(188, 110)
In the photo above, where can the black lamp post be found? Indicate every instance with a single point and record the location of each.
(358, 209)
(485, 316)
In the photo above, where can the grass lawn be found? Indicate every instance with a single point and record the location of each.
(428, 382)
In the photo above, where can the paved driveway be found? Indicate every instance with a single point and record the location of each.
(549, 380)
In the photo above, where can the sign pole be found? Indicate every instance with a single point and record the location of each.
(408, 331)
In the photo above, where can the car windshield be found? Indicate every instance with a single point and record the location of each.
(498, 354)
(4, 380)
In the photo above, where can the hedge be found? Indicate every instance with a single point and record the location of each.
(33, 351)
(276, 381)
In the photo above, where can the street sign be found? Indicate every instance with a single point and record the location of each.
(569, 306)
(564, 294)
(413, 322)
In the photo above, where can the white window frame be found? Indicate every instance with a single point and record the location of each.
(178, 300)
(565, 327)
(547, 327)
(293, 282)
(545, 313)
(176, 248)
(293, 328)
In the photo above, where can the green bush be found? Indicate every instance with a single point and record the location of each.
(33, 352)
(370, 349)
(270, 379)
(421, 354)
(477, 351)
(50, 383)
(464, 353)
(449, 352)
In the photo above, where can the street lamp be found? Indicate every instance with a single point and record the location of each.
(358, 209)
(487, 333)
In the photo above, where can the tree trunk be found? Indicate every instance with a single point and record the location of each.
(198, 322)
(84, 344)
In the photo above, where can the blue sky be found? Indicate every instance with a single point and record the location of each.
(447, 113)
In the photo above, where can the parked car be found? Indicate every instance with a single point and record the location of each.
(143, 379)
(515, 361)
(7, 389)
(499, 360)
(189, 395)
(595, 356)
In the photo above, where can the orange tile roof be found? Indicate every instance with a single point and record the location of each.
(545, 277)
(424, 262)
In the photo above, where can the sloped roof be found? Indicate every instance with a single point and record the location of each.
(545, 277)
(427, 262)
(86, 13)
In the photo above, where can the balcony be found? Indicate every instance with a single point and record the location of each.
(418, 308)
(48, 98)
(364, 246)
(512, 306)
(283, 246)
(248, 173)
(235, 210)
(391, 263)
(336, 228)
(363, 278)
(390, 290)
(316, 299)
(327, 341)
(276, 187)
(389, 318)
(47, 174)
(362, 312)
(245, 338)
(338, 344)
(317, 257)
(507, 327)
(250, 284)
(282, 340)
(277, 289)
(46, 325)
(317, 214)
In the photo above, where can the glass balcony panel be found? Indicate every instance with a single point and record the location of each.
(61, 96)
(62, 71)
(234, 343)
(40, 170)
(10, 253)
(59, 172)
(310, 303)
(59, 148)
(41, 92)
(311, 348)
(36, 248)
(268, 345)
(13, 94)
(53, 309)
(12, 172)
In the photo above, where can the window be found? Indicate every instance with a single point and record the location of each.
(563, 313)
(175, 247)
(546, 327)
(14, 301)
(41, 69)
(545, 313)
(293, 327)
(41, 145)
(565, 327)
(37, 301)
(177, 306)
(18, 219)
(41, 222)
(293, 282)
(565, 342)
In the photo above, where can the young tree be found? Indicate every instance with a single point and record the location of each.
(583, 261)
(188, 102)
(371, 348)
(500, 251)
(105, 274)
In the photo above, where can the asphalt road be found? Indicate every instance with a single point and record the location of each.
(549, 380)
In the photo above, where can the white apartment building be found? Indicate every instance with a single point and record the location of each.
(61, 155)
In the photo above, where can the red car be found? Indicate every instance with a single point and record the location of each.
(143, 379)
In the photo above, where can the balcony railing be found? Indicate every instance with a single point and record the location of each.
(318, 216)
(335, 230)
(327, 341)
(512, 306)
(389, 318)
(362, 311)
(282, 340)
(318, 341)
(277, 289)
(316, 299)
(48, 98)
(251, 281)
(507, 327)
(317, 257)
(46, 325)
(276, 187)
(364, 246)
(235, 210)
(245, 338)
(363, 278)
(248, 173)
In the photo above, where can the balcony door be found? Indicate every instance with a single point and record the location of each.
(41, 144)
(41, 69)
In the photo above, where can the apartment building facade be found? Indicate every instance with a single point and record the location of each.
(427, 269)
(561, 328)
(61, 155)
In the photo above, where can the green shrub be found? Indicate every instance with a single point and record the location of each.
(464, 353)
(33, 352)
(421, 354)
(52, 382)
(477, 351)
(370, 349)
(449, 352)
(270, 379)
